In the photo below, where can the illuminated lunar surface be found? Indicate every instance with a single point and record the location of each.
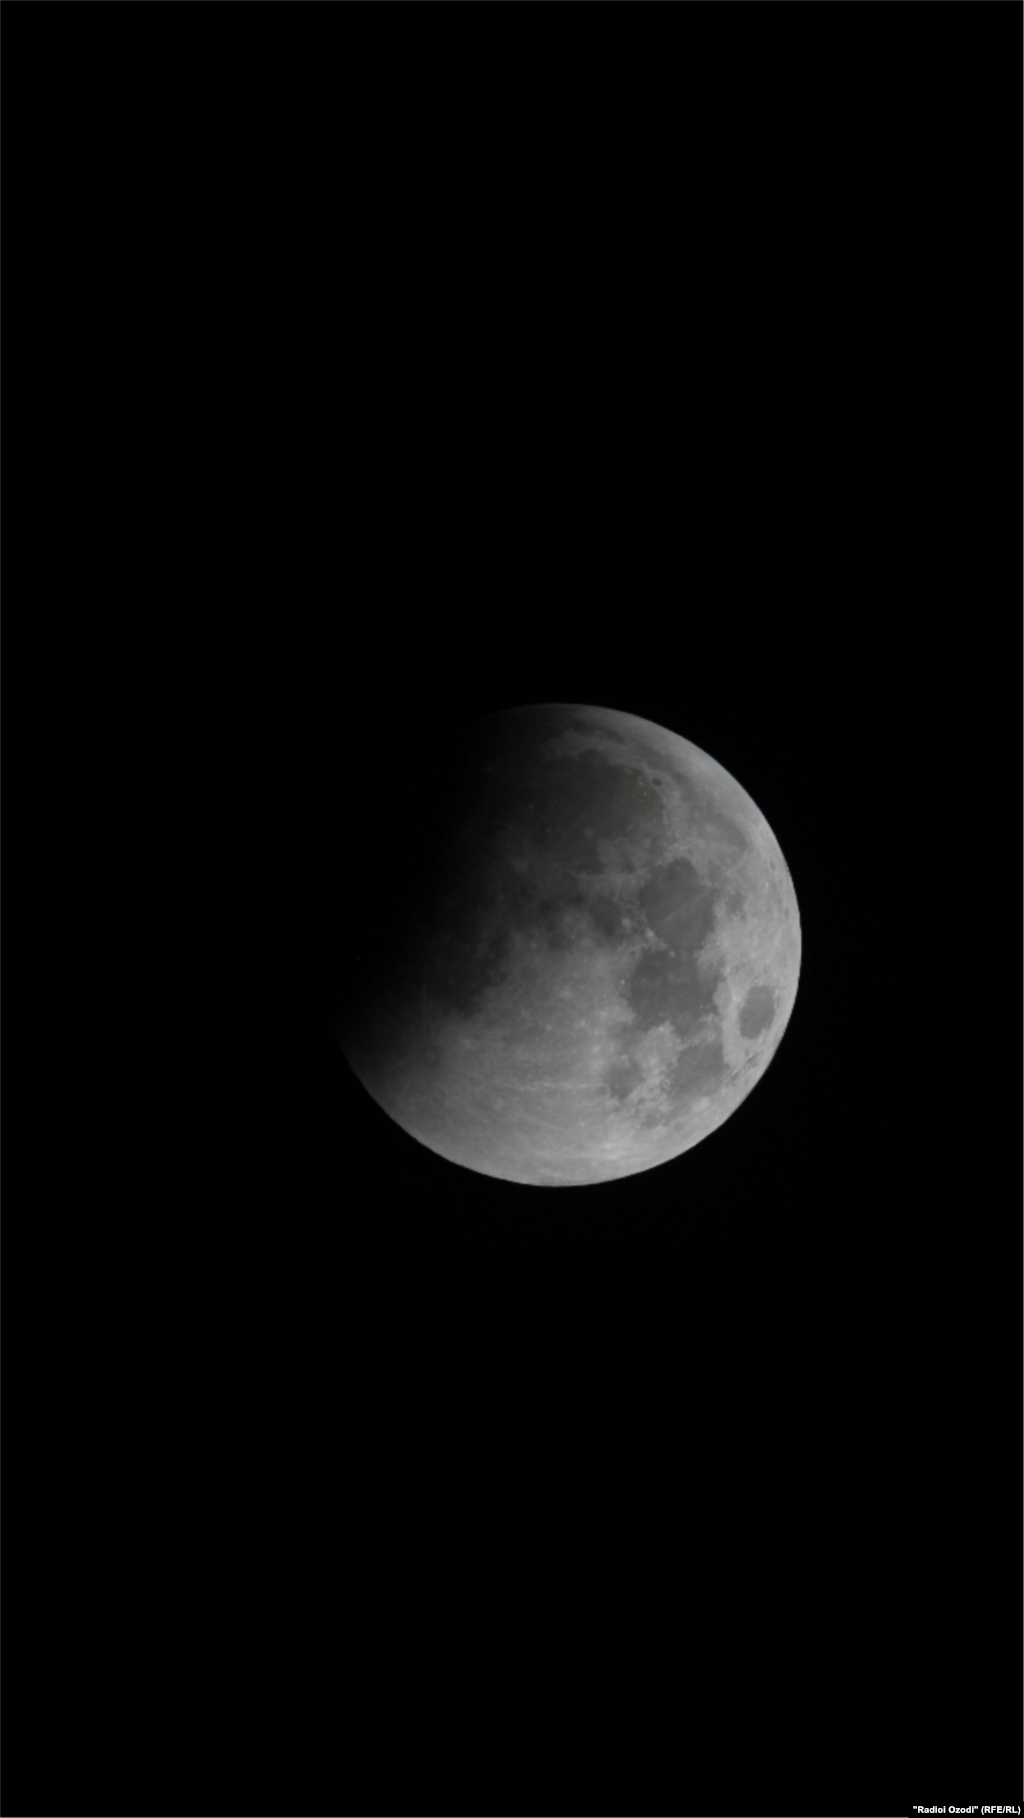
(600, 963)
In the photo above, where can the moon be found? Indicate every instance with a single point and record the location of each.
(596, 961)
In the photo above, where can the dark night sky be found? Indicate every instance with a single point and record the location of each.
(263, 731)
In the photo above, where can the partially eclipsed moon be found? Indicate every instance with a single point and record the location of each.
(600, 964)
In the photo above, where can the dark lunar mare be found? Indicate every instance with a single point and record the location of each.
(667, 985)
(758, 1011)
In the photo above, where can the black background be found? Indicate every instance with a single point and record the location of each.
(255, 743)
